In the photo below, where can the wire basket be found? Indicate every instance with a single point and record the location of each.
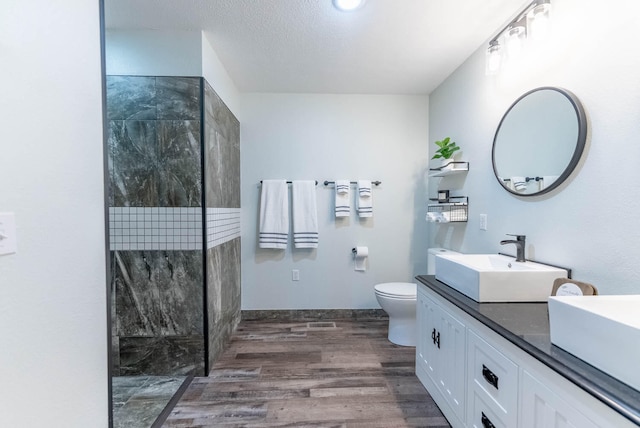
(451, 211)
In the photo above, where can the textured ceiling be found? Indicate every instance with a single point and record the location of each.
(386, 47)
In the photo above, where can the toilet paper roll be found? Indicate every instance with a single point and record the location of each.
(361, 254)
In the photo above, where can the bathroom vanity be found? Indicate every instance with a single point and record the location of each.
(493, 365)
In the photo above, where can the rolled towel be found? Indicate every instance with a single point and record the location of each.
(274, 214)
(343, 204)
(436, 217)
(305, 214)
(365, 199)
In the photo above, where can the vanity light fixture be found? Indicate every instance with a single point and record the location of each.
(532, 22)
(347, 5)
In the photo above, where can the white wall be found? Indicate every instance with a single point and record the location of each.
(214, 72)
(169, 53)
(591, 223)
(324, 137)
(53, 362)
(154, 53)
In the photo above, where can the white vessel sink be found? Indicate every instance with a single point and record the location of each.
(604, 331)
(497, 278)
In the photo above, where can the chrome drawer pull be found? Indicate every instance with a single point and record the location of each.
(486, 422)
(489, 376)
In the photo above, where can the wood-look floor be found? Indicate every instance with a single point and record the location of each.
(279, 374)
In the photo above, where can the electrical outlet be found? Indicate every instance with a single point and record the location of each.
(483, 222)
(295, 275)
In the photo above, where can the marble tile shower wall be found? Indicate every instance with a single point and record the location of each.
(222, 199)
(156, 226)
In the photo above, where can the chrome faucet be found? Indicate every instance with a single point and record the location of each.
(520, 243)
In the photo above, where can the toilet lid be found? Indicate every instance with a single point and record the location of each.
(397, 289)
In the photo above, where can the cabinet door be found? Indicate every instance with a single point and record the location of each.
(426, 350)
(451, 373)
(542, 408)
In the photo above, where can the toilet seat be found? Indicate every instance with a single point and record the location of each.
(397, 290)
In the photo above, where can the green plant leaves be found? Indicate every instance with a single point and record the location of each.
(446, 150)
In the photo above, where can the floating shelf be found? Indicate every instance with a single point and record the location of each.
(453, 167)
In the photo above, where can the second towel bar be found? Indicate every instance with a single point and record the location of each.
(377, 183)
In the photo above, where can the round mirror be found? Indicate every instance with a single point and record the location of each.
(539, 141)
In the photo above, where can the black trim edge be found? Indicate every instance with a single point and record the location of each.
(162, 417)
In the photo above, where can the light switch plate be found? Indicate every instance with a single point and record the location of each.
(8, 239)
(483, 222)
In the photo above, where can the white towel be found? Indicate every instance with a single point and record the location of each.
(365, 200)
(343, 204)
(519, 183)
(547, 180)
(274, 214)
(305, 214)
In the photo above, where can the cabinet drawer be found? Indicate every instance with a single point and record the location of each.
(493, 377)
(481, 414)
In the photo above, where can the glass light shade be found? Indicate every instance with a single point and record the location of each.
(347, 5)
(493, 58)
(514, 40)
(538, 21)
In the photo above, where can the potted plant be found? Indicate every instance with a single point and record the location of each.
(446, 149)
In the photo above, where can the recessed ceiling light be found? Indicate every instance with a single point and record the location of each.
(347, 5)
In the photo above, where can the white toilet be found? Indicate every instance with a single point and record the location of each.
(398, 300)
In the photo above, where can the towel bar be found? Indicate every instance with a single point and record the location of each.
(289, 182)
(527, 179)
(377, 183)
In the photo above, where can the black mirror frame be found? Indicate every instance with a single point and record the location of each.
(580, 143)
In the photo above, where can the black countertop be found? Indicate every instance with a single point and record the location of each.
(526, 325)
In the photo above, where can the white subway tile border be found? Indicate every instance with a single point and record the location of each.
(167, 228)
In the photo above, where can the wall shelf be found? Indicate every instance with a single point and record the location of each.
(456, 209)
(452, 212)
(451, 168)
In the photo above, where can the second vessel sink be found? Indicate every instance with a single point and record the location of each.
(604, 331)
(497, 278)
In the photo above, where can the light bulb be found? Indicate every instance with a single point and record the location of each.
(538, 21)
(493, 58)
(514, 40)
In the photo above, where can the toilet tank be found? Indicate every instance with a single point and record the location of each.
(431, 258)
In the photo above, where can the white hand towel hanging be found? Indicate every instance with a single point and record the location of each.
(519, 183)
(343, 200)
(274, 214)
(305, 214)
(365, 199)
(547, 180)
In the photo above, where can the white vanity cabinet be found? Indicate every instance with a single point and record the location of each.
(440, 355)
(480, 379)
(543, 408)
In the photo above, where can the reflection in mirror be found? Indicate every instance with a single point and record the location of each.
(539, 141)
